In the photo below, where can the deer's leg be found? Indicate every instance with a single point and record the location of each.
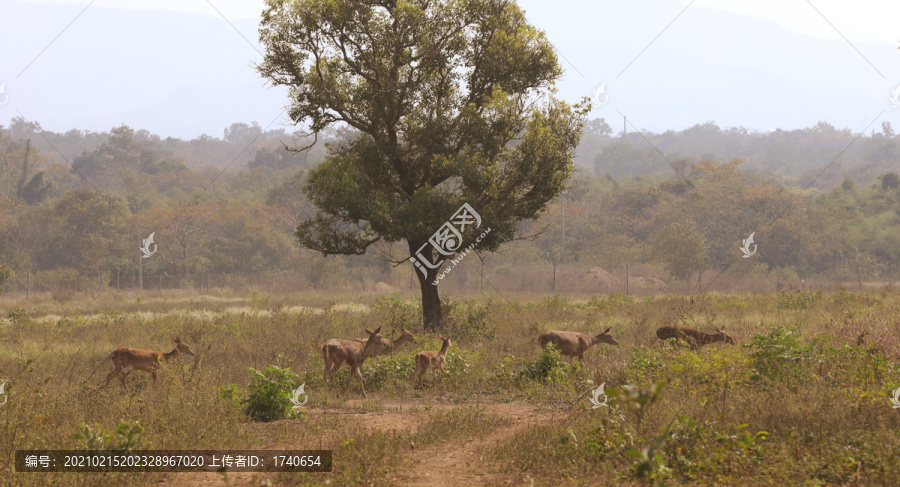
(359, 376)
(111, 375)
(325, 373)
(336, 367)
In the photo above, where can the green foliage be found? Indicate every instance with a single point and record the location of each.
(469, 321)
(551, 367)
(555, 303)
(853, 299)
(125, 436)
(609, 302)
(780, 355)
(230, 394)
(645, 362)
(5, 272)
(270, 392)
(19, 316)
(797, 299)
(398, 312)
(681, 249)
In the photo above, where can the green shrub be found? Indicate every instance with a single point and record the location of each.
(398, 312)
(779, 355)
(125, 436)
(270, 392)
(5, 272)
(468, 321)
(550, 367)
(19, 316)
(797, 299)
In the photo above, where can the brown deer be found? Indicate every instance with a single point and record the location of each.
(694, 338)
(143, 360)
(393, 345)
(337, 352)
(432, 360)
(573, 344)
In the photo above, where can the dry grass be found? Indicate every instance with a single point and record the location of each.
(821, 399)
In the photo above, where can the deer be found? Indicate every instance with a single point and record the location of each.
(573, 344)
(337, 352)
(432, 360)
(143, 360)
(695, 338)
(393, 345)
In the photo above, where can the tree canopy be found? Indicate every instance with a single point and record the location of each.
(450, 102)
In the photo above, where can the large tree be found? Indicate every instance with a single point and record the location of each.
(449, 102)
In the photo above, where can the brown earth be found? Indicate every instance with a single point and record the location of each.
(445, 463)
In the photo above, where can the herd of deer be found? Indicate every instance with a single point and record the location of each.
(337, 352)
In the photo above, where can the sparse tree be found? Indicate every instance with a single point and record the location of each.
(450, 103)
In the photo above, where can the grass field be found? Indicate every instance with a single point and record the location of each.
(799, 400)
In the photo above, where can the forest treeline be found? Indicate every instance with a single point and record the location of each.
(679, 201)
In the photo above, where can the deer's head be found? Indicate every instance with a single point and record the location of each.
(406, 334)
(182, 347)
(605, 337)
(721, 336)
(375, 342)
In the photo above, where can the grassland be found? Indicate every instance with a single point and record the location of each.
(800, 400)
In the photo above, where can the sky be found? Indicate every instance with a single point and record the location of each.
(182, 68)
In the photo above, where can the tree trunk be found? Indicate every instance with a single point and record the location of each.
(554, 276)
(431, 301)
(626, 281)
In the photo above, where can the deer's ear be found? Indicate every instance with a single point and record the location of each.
(368, 331)
(606, 330)
(378, 330)
(177, 339)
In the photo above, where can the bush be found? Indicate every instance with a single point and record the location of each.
(125, 436)
(398, 312)
(779, 355)
(469, 321)
(270, 392)
(19, 316)
(551, 367)
(5, 272)
(797, 299)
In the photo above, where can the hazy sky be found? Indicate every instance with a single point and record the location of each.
(180, 69)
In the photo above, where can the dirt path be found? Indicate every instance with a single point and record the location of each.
(445, 464)
(464, 464)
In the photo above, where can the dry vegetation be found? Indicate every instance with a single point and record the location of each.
(797, 401)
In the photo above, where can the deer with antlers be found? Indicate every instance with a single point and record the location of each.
(337, 352)
(694, 338)
(144, 360)
(573, 344)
